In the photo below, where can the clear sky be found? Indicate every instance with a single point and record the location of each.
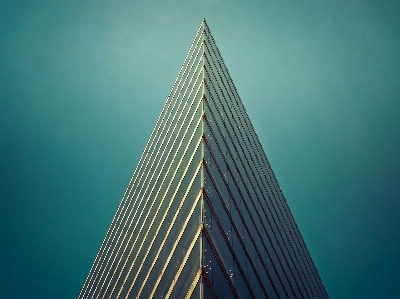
(81, 87)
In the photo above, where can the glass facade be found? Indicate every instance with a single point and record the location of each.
(203, 215)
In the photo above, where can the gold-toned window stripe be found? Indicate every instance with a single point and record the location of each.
(128, 223)
(175, 245)
(132, 209)
(208, 283)
(162, 220)
(144, 221)
(192, 287)
(185, 258)
(125, 198)
(171, 226)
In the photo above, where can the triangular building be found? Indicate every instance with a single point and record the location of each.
(203, 215)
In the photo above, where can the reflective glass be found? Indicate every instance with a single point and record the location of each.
(250, 245)
(188, 273)
(206, 292)
(215, 274)
(177, 224)
(174, 257)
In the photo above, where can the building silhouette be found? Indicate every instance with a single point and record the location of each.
(203, 215)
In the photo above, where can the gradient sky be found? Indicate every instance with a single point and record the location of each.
(81, 87)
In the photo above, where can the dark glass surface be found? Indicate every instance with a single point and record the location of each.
(161, 221)
(188, 273)
(251, 245)
(206, 292)
(215, 273)
(247, 186)
(109, 242)
(182, 220)
(175, 257)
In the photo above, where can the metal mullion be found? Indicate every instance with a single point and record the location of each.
(240, 240)
(182, 75)
(300, 252)
(188, 64)
(152, 174)
(245, 224)
(228, 81)
(154, 158)
(175, 245)
(89, 278)
(159, 172)
(131, 221)
(228, 214)
(194, 284)
(158, 209)
(209, 284)
(103, 247)
(123, 240)
(166, 134)
(151, 150)
(308, 263)
(299, 242)
(188, 189)
(251, 217)
(285, 225)
(220, 262)
(281, 214)
(253, 175)
(279, 203)
(244, 168)
(257, 196)
(148, 211)
(278, 241)
(122, 205)
(188, 252)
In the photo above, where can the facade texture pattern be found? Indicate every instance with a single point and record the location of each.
(203, 215)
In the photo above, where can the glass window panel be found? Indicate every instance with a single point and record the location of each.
(192, 77)
(184, 242)
(253, 281)
(157, 219)
(283, 245)
(172, 146)
(215, 274)
(206, 292)
(224, 220)
(239, 283)
(220, 244)
(196, 292)
(173, 235)
(188, 273)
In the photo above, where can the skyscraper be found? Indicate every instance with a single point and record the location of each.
(203, 215)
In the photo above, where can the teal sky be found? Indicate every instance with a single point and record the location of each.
(81, 87)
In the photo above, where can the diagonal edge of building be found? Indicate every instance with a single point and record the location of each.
(203, 215)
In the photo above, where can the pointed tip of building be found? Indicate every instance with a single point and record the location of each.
(204, 20)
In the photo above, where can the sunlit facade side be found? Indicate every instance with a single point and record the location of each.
(203, 215)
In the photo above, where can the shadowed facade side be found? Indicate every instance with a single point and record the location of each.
(203, 215)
